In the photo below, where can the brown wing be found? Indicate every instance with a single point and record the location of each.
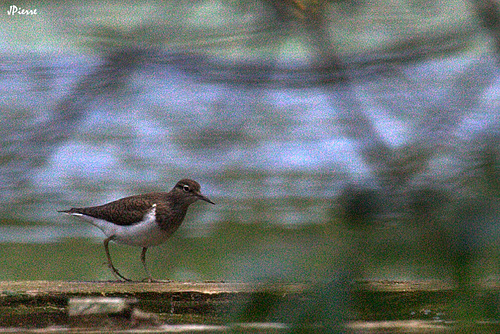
(125, 211)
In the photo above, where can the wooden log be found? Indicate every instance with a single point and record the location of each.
(379, 305)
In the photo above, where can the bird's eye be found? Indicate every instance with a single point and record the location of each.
(186, 188)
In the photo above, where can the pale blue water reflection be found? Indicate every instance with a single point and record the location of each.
(133, 142)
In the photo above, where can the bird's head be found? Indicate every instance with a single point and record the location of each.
(190, 191)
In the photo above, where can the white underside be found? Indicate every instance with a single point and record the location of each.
(145, 233)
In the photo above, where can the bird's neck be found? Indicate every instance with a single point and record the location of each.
(179, 209)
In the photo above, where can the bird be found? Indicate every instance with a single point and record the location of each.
(141, 220)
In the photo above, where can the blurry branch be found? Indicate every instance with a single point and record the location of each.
(482, 174)
(281, 19)
(289, 10)
(329, 306)
(488, 12)
(107, 79)
(450, 240)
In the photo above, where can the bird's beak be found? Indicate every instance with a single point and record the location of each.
(203, 198)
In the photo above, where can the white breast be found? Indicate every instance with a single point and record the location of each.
(145, 233)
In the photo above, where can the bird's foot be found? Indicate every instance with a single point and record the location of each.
(117, 274)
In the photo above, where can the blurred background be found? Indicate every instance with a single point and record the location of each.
(349, 139)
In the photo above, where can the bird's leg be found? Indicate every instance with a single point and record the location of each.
(110, 263)
(143, 260)
(150, 279)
